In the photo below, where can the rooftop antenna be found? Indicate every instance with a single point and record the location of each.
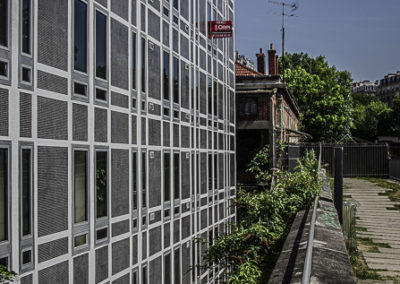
(294, 7)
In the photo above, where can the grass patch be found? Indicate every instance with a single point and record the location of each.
(371, 244)
(395, 207)
(393, 191)
(360, 267)
(361, 229)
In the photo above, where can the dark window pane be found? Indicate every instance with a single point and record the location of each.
(176, 176)
(167, 173)
(210, 96)
(166, 76)
(101, 184)
(177, 267)
(3, 69)
(144, 275)
(27, 257)
(101, 234)
(143, 65)
(133, 60)
(26, 191)
(144, 184)
(80, 36)
(101, 94)
(26, 26)
(3, 195)
(176, 80)
(101, 45)
(80, 186)
(4, 22)
(215, 98)
(134, 181)
(26, 74)
(176, 4)
(167, 269)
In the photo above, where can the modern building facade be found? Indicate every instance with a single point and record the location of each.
(266, 113)
(388, 88)
(117, 139)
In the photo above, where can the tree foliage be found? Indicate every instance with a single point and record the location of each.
(7, 276)
(323, 94)
(265, 220)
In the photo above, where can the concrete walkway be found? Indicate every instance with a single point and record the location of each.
(383, 225)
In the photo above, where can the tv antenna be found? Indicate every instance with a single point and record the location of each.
(294, 6)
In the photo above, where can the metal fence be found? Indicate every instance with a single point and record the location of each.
(366, 160)
(394, 169)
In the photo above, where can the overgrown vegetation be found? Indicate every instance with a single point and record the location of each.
(394, 188)
(7, 276)
(246, 251)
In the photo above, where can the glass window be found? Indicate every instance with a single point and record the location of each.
(166, 76)
(215, 98)
(4, 22)
(101, 45)
(134, 181)
(26, 186)
(80, 186)
(167, 269)
(133, 60)
(210, 164)
(210, 96)
(26, 26)
(80, 36)
(176, 176)
(143, 64)
(176, 4)
(177, 267)
(101, 183)
(144, 184)
(167, 173)
(3, 194)
(144, 275)
(176, 80)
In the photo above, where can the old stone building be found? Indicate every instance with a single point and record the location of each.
(388, 88)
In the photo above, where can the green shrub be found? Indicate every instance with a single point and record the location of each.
(7, 276)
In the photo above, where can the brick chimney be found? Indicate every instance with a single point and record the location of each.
(272, 61)
(261, 62)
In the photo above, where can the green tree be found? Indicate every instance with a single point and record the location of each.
(7, 276)
(324, 100)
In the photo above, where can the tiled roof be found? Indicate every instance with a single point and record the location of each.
(243, 70)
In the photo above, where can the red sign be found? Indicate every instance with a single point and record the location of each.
(219, 29)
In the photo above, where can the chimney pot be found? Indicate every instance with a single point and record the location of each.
(272, 61)
(261, 62)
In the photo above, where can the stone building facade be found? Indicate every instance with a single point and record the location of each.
(117, 139)
(388, 88)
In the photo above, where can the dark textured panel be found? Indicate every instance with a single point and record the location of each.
(120, 256)
(79, 122)
(52, 119)
(184, 47)
(166, 134)
(154, 132)
(155, 240)
(175, 40)
(120, 100)
(101, 264)
(165, 28)
(55, 274)
(167, 235)
(154, 71)
(203, 217)
(203, 169)
(4, 112)
(203, 93)
(51, 82)
(154, 109)
(144, 245)
(157, 217)
(185, 175)
(134, 249)
(102, 2)
(186, 271)
(53, 33)
(177, 231)
(121, 8)
(154, 25)
(81, 269)
(52, 190)
(175, 130)
(185, 137)
(155, 4)
(119, 127)
(144, 131)
(155, 271)
(27, 279)
(185, 227)
(119, 54)
(119, 182)
(221, 176)
(155, 179)
(100, 125)
(203, 139)
(134, 129)
(25, 115)
(185, 91)
(122, 280)
(52, 249)
(120, 228)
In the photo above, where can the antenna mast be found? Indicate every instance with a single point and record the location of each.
(294, 7)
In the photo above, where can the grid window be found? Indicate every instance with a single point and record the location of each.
(101, 183)
(144, 183)
(167, 174)
(134, 181)
(176, 80)
(80, 36)
(134, 60)
(166, 75)
(143, 62)
(4, 22)
(3, 194)
(26, 188)
(81, 186)
(101, 45)
(176, 176)
(26, 26)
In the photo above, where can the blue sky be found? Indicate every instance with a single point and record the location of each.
(361, 36)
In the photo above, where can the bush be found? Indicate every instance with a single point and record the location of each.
(6, 276)
(266, 220)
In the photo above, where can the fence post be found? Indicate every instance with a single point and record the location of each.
(338, 199)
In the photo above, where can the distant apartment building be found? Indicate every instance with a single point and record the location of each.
(117, 139)
(266, 112)
(365, 87)
(388, 88)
